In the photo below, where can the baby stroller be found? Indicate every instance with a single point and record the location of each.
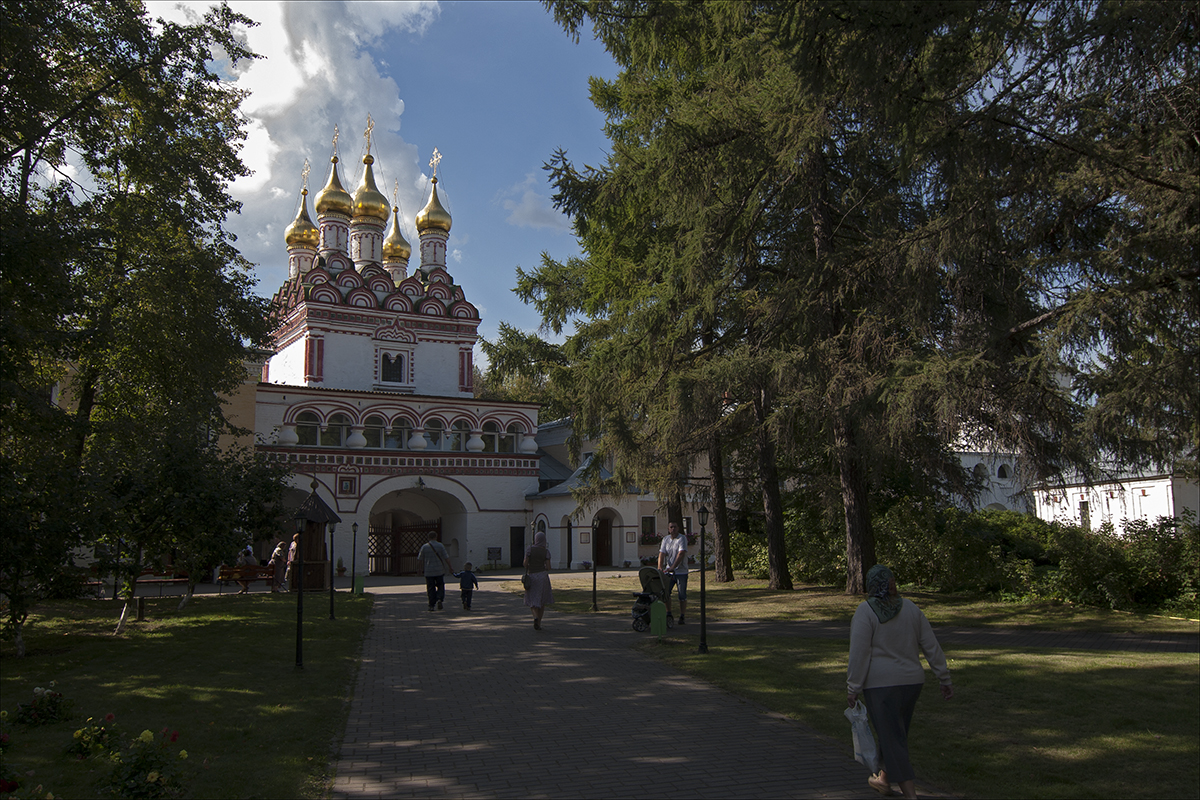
(653, 589)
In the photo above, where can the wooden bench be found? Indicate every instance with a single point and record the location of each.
(161, 579)
(247, 573)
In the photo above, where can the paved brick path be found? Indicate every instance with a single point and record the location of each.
(483, 706)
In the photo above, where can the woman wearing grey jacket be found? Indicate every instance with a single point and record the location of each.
(886, 636)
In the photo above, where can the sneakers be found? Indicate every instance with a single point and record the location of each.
(431, 608)
(681, 622)
(439, 605)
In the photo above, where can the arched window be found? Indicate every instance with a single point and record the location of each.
(336, 431)
(509, 443)
(391, 370)
(981, 472)
(460, 431)
(373, 431)
(491, 437)
(397, 438)
(435, 432)
(1003, 472)
(307, 429)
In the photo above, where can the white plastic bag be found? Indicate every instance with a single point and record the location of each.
(865, 751)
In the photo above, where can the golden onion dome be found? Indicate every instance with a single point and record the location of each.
(302, 232)
(368, 202)
(333, 199)
(433, 215)
(395, 246)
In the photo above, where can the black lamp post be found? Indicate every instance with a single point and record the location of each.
(354, 558)
(702, 512)
(301, 523)
(595, 532)
(331, 527)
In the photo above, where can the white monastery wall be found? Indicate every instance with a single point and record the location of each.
(1115, 502)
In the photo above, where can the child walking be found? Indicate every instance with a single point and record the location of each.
(467, 583)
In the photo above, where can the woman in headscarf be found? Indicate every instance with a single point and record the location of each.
(885, 668)
(537, 564)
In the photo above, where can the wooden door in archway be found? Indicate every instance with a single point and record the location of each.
(603, 543)
(393, 550)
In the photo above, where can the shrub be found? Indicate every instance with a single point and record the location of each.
(46, 706)
(94, 739)
(149, 767)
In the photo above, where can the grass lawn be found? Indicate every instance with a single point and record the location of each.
(752, 599)
(221, 672)
(1028, 723)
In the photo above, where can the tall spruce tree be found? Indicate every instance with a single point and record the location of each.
(903, 225)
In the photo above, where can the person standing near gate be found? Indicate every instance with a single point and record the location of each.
(437, 563)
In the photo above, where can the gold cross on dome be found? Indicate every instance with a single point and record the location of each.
(304, 175)
(335, 138)
(433, 162)
(370, 127)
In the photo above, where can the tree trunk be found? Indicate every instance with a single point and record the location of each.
(124, 616)
(675, 512)
(133, 576)
(183, 601)
(19, 640)
(83, 414)
(777, 571)
(723, 570)
(860, 539)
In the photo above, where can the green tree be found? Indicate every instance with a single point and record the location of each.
(118, 139)
(900, 227)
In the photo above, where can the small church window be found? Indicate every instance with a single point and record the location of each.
(392, 369)
(397, 438)
(336, 431)
(491, 437)
(307, 428)
(373, 431)
(460, 431)
(435, 432)
(1003, 473)
(509, 443)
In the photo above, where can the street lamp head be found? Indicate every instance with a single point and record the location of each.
(301, 520)
(595, 524)
(332, 525)
(702, 513)
(354, 528)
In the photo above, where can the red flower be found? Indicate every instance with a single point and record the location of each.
(174, 736)
(8, 786)
(109, 717)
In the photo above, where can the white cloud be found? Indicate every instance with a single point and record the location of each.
(529, 209)
(457, 255)
(316, 73)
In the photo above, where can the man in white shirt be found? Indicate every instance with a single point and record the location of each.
(437, 563)
(673, 564)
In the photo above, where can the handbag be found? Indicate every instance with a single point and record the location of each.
(865, 751)
(526, 581)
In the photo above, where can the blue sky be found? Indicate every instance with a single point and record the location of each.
(495, 86)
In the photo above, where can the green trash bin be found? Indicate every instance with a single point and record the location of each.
(359, 584)
(658, 618)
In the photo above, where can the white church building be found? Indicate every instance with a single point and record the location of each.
(367, 395)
